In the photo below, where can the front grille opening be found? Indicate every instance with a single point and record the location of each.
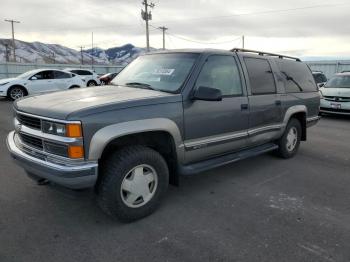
(57, 149)
(29, 121)
(32, 141)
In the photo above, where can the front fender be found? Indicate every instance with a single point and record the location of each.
(105, 135)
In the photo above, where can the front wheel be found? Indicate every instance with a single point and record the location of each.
(133, 182)
(290, 141)
(16, 92)
(91, 83)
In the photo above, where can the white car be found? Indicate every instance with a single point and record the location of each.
(335, 95)
(37, 82)
(89, 76)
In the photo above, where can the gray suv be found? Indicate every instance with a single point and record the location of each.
(166, 114)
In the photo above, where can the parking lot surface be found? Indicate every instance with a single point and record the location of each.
(259, 209)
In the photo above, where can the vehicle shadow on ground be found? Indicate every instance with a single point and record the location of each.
(82, 205)
(335, 117)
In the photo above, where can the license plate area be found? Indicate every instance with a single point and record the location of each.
(336, 105)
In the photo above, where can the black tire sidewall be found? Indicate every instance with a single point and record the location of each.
(11, 88)
(92, 81)
(114, 171)
(284, 152)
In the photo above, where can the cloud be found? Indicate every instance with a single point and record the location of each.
(116, 22)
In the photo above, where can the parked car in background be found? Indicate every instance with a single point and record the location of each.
(39, 81)
(169, 113)
(335, 95)
(88, 76)
(107, 78)
(320, 78)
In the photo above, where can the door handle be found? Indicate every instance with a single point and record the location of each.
(244, 106)
(278, 102)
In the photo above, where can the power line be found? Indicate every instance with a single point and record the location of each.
(13, 36)
(206, 43)
(255, 13)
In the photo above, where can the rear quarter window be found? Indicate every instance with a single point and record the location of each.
(297, 76)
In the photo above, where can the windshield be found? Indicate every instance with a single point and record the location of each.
(339, 82)
(165, 72)
(26, 74)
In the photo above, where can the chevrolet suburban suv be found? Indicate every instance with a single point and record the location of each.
(166, 114)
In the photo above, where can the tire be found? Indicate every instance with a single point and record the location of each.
(290, 141)
(103, 83)
(91, 83)
(125, 170)
(16, 92)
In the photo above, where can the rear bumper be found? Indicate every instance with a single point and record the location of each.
(78, 176)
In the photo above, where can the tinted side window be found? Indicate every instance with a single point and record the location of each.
(61, 75)
(297, 76)
(320, 78)
(221, 72)
(44, 75)
(260, 76)
(84, 73)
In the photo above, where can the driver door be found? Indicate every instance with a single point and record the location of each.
(213, 128)
(41, 82)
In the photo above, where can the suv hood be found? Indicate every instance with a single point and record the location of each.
(343, 92)
(73, 103)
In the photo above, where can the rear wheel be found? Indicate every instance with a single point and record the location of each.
(290, 141)
(133, 182)
(16, 92)
(91, 83)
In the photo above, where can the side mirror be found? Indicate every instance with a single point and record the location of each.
(321, 85)
(207, 94)
(33, 78)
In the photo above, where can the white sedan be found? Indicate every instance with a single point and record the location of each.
(39, 81)
(335, 95)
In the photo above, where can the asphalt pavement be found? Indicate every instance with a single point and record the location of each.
(259, 209)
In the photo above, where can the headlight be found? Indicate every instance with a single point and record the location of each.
(59, 129)
(2, 84)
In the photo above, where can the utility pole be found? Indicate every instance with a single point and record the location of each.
(243, 41)
(147, 15)
(53, 57)
(81, 54)
(13, 36)
(7, 53)
(163, 28)
(92, 50)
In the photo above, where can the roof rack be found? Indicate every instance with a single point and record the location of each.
(264, 53)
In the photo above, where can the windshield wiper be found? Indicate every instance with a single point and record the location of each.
(141, 85)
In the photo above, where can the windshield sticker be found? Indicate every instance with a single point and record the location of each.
(163, 71)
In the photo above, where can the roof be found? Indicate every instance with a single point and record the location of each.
(343, 74)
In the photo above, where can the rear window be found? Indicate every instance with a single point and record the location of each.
(260, 76)
(297, 76)
(81, 72)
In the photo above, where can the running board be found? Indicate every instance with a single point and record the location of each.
(226, 159)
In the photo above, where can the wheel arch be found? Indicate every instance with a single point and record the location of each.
(17, 85)
(299, 112)
(163, 135)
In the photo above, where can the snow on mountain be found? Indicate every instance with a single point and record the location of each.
(37, 52)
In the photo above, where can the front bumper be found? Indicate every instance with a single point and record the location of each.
(83, 175)
(326, 107)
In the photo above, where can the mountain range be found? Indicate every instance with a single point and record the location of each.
(37, 52)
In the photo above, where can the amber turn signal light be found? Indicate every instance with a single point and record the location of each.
(75, 151)
(74, 130)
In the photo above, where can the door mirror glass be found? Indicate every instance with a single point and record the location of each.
(33, 78)
(207, 94)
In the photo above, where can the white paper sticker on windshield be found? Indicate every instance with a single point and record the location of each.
(163, 71)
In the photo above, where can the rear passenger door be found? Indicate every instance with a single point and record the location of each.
(217, 127)
(265, 119)
(62, 80)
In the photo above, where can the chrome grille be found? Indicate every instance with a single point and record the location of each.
(29, 121)
(31, 141)
(337, 98)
